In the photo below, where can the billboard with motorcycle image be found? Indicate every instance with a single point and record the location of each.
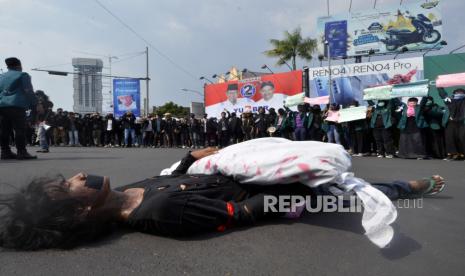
(412, 26)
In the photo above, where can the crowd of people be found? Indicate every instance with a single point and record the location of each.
(414, 130)
(419, 129)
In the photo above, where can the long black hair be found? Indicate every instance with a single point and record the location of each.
(43, 215)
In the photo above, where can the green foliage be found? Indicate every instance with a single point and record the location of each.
(174, 109)
(292, 46)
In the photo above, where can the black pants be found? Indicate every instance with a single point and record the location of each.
(224, 138)
(357, 140)
(158, 139)
(455, 137)
(384, 141)
(203, 214)
(13, 118)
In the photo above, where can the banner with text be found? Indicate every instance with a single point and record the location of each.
(126, 96)
(349, 80)
(267, 91)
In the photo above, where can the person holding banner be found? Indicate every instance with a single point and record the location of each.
(382, 122)
(315, 133)
(334, 129)
(412, 125)
(358, 134)
(455, 130)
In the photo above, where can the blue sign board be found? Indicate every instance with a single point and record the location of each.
(126, 96)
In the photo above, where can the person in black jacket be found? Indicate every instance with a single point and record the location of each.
(235, 128)
(84, 207)
(223, 130)
(128, 124)
(170, 127)
(195, 131)
(212, 132)
(158, 125)
(97, 126)
(59, 131)
(261, 124)
(72, 125)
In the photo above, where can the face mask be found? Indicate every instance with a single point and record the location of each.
(429, 103)
(94, 182)
(459, 96)
(381, 104)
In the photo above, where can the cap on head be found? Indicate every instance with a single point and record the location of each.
(12, 62)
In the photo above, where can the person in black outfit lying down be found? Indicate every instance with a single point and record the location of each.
(60, 213)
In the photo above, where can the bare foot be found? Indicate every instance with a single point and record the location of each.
(421, 186)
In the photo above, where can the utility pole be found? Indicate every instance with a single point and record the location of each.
(147, 82)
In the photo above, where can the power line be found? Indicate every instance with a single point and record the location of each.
(54, 65)
(145, 40)
(130, 57)
(102, 55)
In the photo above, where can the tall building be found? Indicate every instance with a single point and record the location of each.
(87, 85)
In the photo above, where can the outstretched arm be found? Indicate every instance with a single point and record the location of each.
(191, 157)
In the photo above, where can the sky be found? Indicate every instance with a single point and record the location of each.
(202, 37)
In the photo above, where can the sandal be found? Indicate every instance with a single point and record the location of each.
(432, 186)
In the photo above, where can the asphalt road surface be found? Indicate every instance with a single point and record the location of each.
(428, 241)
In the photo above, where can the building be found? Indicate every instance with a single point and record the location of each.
(87, 85)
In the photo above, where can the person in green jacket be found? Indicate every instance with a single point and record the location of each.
(436, 116)
(16, 96)
(412, 124)
(382, 123)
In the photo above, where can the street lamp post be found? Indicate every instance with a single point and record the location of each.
(288, 66)
(204, 78)
(331, 96)
(245, 71)
(264, 66)
(191, 90)
(234, 75)
(219, 77)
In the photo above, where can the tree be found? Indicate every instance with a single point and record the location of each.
(292, 46)
(174, 109)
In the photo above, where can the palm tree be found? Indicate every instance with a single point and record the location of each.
(292, 46)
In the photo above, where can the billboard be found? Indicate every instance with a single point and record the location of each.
(268, 91)
(390, 29)
(126, 96)
(348, 81)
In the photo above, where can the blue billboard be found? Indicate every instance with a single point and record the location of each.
(126, 96)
